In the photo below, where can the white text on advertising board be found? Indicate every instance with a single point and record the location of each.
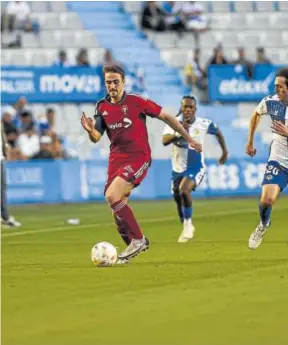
(70, 83)
(236, 86)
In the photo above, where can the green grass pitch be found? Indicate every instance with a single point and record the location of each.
(211, 291)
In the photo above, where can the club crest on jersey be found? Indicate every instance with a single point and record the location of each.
(124, 109)
(269, 177)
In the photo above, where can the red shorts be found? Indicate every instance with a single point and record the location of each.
(132, 170)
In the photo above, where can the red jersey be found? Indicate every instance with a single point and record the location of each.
(125, 124)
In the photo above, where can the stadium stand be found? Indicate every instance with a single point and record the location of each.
(115, 25)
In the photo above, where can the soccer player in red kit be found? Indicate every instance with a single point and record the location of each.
(123, 117)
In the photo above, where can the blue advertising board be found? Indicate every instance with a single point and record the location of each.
(231, 83)
(80, 181)
(56, 84)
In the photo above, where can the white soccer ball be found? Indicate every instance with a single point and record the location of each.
(103, 254)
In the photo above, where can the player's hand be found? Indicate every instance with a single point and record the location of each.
(223, 158)
(279, 128)
(87, 123)
(195, 145)
(250, 150)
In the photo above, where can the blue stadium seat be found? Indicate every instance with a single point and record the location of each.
(99, 6)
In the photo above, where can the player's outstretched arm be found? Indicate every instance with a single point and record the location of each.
(221, 140)
(88, 124)
(254, 122)
(168, 139)
(176, 125)
(279, 128)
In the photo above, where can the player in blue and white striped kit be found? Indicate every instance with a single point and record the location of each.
(276, 174)
(188, 165)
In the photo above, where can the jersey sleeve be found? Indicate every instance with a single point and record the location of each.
(212, 128)
(261, 108)
(151, 108)
(99, 125)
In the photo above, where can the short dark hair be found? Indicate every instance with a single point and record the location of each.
(283, 73)
(25, 113)
(49, 110)
(114, 69)
(186, 97)
(189, 97)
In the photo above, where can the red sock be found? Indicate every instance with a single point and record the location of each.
(123, 211)
(121, 229)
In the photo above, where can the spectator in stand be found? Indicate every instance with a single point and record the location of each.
(193, 18)
(20, 105)
(8, 114)
(195, 75)
(47, 123)
(11, 132)
(152, 17)
(261, 56)
(192, 12)
(50, 115)
(58, 151)
(24, 120)
(218, 57)
(18, 14)
(28, 142)
(12, 137)
(173, 19)
(62, 60)
(242, 60)
(82, 59)
(45, 151)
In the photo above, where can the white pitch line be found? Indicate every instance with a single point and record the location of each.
(91, 208)
(149, 220)
(71, 227)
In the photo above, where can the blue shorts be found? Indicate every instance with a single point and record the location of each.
(196, 175)
(176, 180)
(275, 173)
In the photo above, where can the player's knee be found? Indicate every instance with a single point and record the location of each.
(267, 200)
(111, 197)
(184, 194)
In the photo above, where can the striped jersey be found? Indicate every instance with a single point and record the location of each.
(277, 110)
(184, 157)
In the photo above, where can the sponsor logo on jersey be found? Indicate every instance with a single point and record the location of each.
(124, 124)
(127, 122)
(269, 177)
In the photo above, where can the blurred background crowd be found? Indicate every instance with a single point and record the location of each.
(31, 137)
(169, 46)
